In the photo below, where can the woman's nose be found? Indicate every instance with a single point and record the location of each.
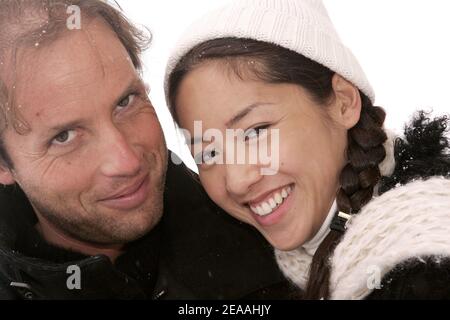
(240, 178)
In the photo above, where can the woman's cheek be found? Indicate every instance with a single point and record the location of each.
(288, 152)
(213, 187)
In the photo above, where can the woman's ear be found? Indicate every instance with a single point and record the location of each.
(6, 176)
(347, 104)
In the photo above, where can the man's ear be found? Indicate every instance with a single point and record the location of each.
(347, 109)
(6, 176)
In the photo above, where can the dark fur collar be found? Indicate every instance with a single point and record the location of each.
(422, 153)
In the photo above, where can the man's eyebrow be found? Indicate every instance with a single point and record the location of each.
(64, 126)
(242, 114)
(132, 85)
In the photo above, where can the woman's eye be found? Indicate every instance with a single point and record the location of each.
(206, 157)
(127, 101)
(64, 137)
(254, 133)
(209, 155)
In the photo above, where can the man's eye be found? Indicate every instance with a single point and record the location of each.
(64, 137)
(127, 101)
(254, 133)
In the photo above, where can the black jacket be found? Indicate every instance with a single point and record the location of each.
(196, 252)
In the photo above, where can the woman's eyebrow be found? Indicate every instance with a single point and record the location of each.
(196, 140)
(239, 116)
(242, 114)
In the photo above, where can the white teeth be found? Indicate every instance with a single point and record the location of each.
(268, 206)
(278, 198)
(259, 211)
(272, 203)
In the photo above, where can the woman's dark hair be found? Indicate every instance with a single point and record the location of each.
(24, 23)
(275, 64)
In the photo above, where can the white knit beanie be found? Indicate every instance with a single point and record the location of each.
(299, 25)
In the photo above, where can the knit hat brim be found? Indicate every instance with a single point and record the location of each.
(302, 26)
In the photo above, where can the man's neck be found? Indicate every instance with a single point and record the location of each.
(56, 237)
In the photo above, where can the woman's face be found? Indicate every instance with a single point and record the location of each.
(289, 205)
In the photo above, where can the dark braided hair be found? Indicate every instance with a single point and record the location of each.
(275, 64)
(364, 152)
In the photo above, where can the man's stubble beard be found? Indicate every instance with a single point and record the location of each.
(101, 229)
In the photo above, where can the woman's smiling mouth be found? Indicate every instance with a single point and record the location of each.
(272, 207)
(272, 202)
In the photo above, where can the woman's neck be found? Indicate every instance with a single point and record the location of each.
(312, 245)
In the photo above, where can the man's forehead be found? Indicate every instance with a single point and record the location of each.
(91, 61)
(78, 51)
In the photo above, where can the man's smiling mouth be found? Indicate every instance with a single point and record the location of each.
(131, 197)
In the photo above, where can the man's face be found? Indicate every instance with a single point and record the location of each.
(93, 163)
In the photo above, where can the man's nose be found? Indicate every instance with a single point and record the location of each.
(120, 157)
(241, 177)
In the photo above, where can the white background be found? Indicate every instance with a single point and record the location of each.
(403, 46)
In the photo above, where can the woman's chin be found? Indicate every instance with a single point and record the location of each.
(283, 244)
